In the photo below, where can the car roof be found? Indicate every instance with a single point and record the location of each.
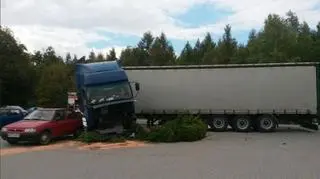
(51, 109)
(13, 107)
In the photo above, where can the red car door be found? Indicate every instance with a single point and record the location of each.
(59, 125)
(73, 122)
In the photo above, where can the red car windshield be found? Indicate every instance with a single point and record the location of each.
(41, 115)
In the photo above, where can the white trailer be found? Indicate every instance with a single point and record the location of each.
(250, 96)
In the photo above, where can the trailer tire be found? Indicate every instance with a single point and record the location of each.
(241, 124)
(219, 124)
(266, 123)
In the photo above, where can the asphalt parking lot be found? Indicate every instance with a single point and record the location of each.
(4, 144)
(292, 153)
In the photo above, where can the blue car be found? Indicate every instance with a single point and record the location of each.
(11, 114)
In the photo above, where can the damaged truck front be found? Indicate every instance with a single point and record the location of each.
(105, 96)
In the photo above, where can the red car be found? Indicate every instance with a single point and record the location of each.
(42, 125)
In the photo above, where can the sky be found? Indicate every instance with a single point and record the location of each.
(81, 26)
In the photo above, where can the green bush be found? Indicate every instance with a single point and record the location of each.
(190, 129)
(92, 136)
(141, 133)
(162, 134)
(183, 128)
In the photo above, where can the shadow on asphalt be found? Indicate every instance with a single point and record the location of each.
(281, 129)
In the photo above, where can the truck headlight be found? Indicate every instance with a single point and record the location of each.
(4, 129)
(29, 130)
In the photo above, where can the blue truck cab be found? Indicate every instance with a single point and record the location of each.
(105, 95)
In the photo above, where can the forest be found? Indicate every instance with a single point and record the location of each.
(43, 78)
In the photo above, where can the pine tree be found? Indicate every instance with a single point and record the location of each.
(207, 48)
(187, 55)
(227, 47)
(112, 55)
(100, 57)
(68, 57)
(162, 52)
(92, 57)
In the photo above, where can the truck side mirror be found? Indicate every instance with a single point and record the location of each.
(137, 86)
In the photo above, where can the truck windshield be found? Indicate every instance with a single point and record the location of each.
(110, 92)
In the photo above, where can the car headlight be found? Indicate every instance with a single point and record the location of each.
(4, 129)
(30, 130)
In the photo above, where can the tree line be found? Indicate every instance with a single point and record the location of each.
(43, 78)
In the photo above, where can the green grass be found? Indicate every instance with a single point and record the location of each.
(92, 136)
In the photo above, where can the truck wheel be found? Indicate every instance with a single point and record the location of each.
(266, 123)
(45, 138)
(241, 123)
(219, 124)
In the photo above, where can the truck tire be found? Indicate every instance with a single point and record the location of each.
(219, 124)
(266, 123)
(241, 124)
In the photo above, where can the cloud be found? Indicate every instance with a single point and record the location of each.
(106, 50)
(251, 14)
(64, 40)
(70, 25)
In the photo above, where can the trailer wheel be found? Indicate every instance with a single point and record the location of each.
(266, 123)
(241, 124)
(219, 124)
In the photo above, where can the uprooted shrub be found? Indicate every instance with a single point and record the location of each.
(92, 136)
(183, 128)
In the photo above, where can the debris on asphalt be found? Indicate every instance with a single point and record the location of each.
(106, 146)
(72, 144)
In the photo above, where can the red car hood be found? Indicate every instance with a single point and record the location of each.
(26, 124)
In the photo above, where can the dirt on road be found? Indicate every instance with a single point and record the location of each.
(72, 145)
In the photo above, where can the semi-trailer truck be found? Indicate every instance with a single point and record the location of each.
(243, 96)
(105, 96)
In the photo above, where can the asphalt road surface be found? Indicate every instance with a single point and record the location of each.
(3, 144)
(290, 154)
